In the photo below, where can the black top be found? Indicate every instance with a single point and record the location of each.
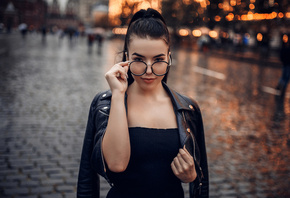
(149, 172)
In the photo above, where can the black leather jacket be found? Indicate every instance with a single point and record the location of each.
(191, 134)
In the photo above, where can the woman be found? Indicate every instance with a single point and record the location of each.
(142, 137)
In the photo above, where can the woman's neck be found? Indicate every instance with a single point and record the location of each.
(154, 94)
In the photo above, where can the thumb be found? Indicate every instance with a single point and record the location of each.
(184, 148)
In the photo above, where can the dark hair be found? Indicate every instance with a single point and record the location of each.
(144, 24)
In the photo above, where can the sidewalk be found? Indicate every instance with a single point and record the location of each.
(3, 45)
(272, 60)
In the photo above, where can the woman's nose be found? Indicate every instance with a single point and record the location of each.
(149, 69)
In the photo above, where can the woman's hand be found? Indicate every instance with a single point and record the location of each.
(117, 77)
(183, 166)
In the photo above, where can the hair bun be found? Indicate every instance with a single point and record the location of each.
(149, 13)
(148, 16)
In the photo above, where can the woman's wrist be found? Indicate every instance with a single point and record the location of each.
(118, 95)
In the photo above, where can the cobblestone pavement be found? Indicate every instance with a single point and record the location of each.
(47, 87)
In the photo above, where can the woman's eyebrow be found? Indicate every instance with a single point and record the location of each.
(159, 55)
(138, 55)
(144, 56)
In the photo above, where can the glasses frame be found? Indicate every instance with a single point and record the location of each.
(167, 68)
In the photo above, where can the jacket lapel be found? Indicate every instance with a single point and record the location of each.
(180, 105)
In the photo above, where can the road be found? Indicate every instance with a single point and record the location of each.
(47, 86)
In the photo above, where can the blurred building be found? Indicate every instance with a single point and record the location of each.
(56, 18)
(94, 12)
(72, 8)
(16, 12)
(54, 9)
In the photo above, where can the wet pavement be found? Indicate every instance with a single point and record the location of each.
(47, 87)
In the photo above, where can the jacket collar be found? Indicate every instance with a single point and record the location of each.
(178, 101)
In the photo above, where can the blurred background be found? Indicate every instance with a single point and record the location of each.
(241, 24)
(229, 55)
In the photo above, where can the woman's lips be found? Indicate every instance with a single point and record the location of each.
(148, 80)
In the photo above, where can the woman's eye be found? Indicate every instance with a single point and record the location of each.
(137, 59)
(159, 59)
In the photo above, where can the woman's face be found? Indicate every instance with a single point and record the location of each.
(149, 51)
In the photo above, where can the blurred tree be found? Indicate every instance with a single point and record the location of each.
(169, 13)
(263, 6)
(128, 8)
(213, 11)
(181, 13)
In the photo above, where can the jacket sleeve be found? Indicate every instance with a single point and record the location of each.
(97, 158)
(203, 191)
(88, 180)
(203, 158)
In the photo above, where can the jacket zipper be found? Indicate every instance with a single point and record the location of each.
(104, 113)
(194, 156)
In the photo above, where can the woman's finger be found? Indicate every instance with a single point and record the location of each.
(174, 169)
(177, 164)
(180, 159)
(126, 67)
(184, 148)
(185, 161)
(123, 73)
(186, 157)
(125, 63)
(120, 71)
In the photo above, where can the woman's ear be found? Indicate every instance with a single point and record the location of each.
(170, 58)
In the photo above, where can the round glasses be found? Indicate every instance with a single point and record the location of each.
(139, 68)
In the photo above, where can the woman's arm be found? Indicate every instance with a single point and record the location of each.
(116, 142)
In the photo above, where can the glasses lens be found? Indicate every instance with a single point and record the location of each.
(138, 68)
(159, 68)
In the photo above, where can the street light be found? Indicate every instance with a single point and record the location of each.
(196, 33)
(285, 38)
(213, 34)
(183, 32)
(259, 37)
